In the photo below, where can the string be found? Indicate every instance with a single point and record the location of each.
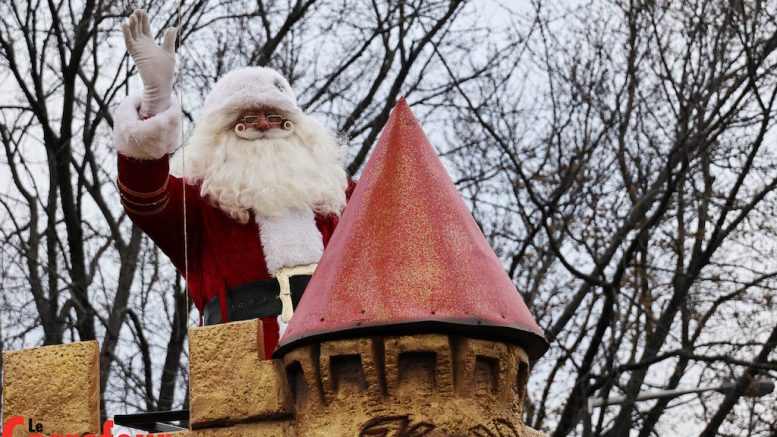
(179, 74)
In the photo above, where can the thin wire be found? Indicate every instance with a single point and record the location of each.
(183, 172)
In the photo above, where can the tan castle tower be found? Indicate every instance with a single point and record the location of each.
(409, 327)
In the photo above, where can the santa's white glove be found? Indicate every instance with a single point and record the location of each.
(155, 64)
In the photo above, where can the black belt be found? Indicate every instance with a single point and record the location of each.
(254, 300)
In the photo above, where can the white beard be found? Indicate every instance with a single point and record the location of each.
(301, 171)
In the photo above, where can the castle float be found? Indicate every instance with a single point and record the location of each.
(409, 327)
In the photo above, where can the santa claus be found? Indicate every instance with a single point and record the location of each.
(246, 207)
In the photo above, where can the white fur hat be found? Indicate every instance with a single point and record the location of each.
(249, 87)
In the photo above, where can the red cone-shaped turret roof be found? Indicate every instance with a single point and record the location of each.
(408, 257)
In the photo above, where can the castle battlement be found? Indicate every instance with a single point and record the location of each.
(382, 369)
(428, 384)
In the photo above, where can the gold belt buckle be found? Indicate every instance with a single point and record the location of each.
(282, 275)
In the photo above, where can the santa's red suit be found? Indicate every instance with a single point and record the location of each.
(222, 252)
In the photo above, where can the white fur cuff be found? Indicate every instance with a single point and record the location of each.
(151, 138)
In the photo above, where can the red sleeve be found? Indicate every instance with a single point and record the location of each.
(349, 189)
(327, 224)
(154, 201)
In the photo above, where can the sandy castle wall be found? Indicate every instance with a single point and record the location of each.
(415, 385)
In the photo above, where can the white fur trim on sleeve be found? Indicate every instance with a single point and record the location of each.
(151, 138)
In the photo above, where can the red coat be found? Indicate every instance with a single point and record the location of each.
(223, 252)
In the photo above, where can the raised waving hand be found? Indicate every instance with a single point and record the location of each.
(155, 63)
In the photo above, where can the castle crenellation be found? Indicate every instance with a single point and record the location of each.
(428, 384)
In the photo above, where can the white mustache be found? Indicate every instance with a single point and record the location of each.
(248, 133)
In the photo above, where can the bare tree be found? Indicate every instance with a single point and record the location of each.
(74, 267)
(641, 187)
(619, 155)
